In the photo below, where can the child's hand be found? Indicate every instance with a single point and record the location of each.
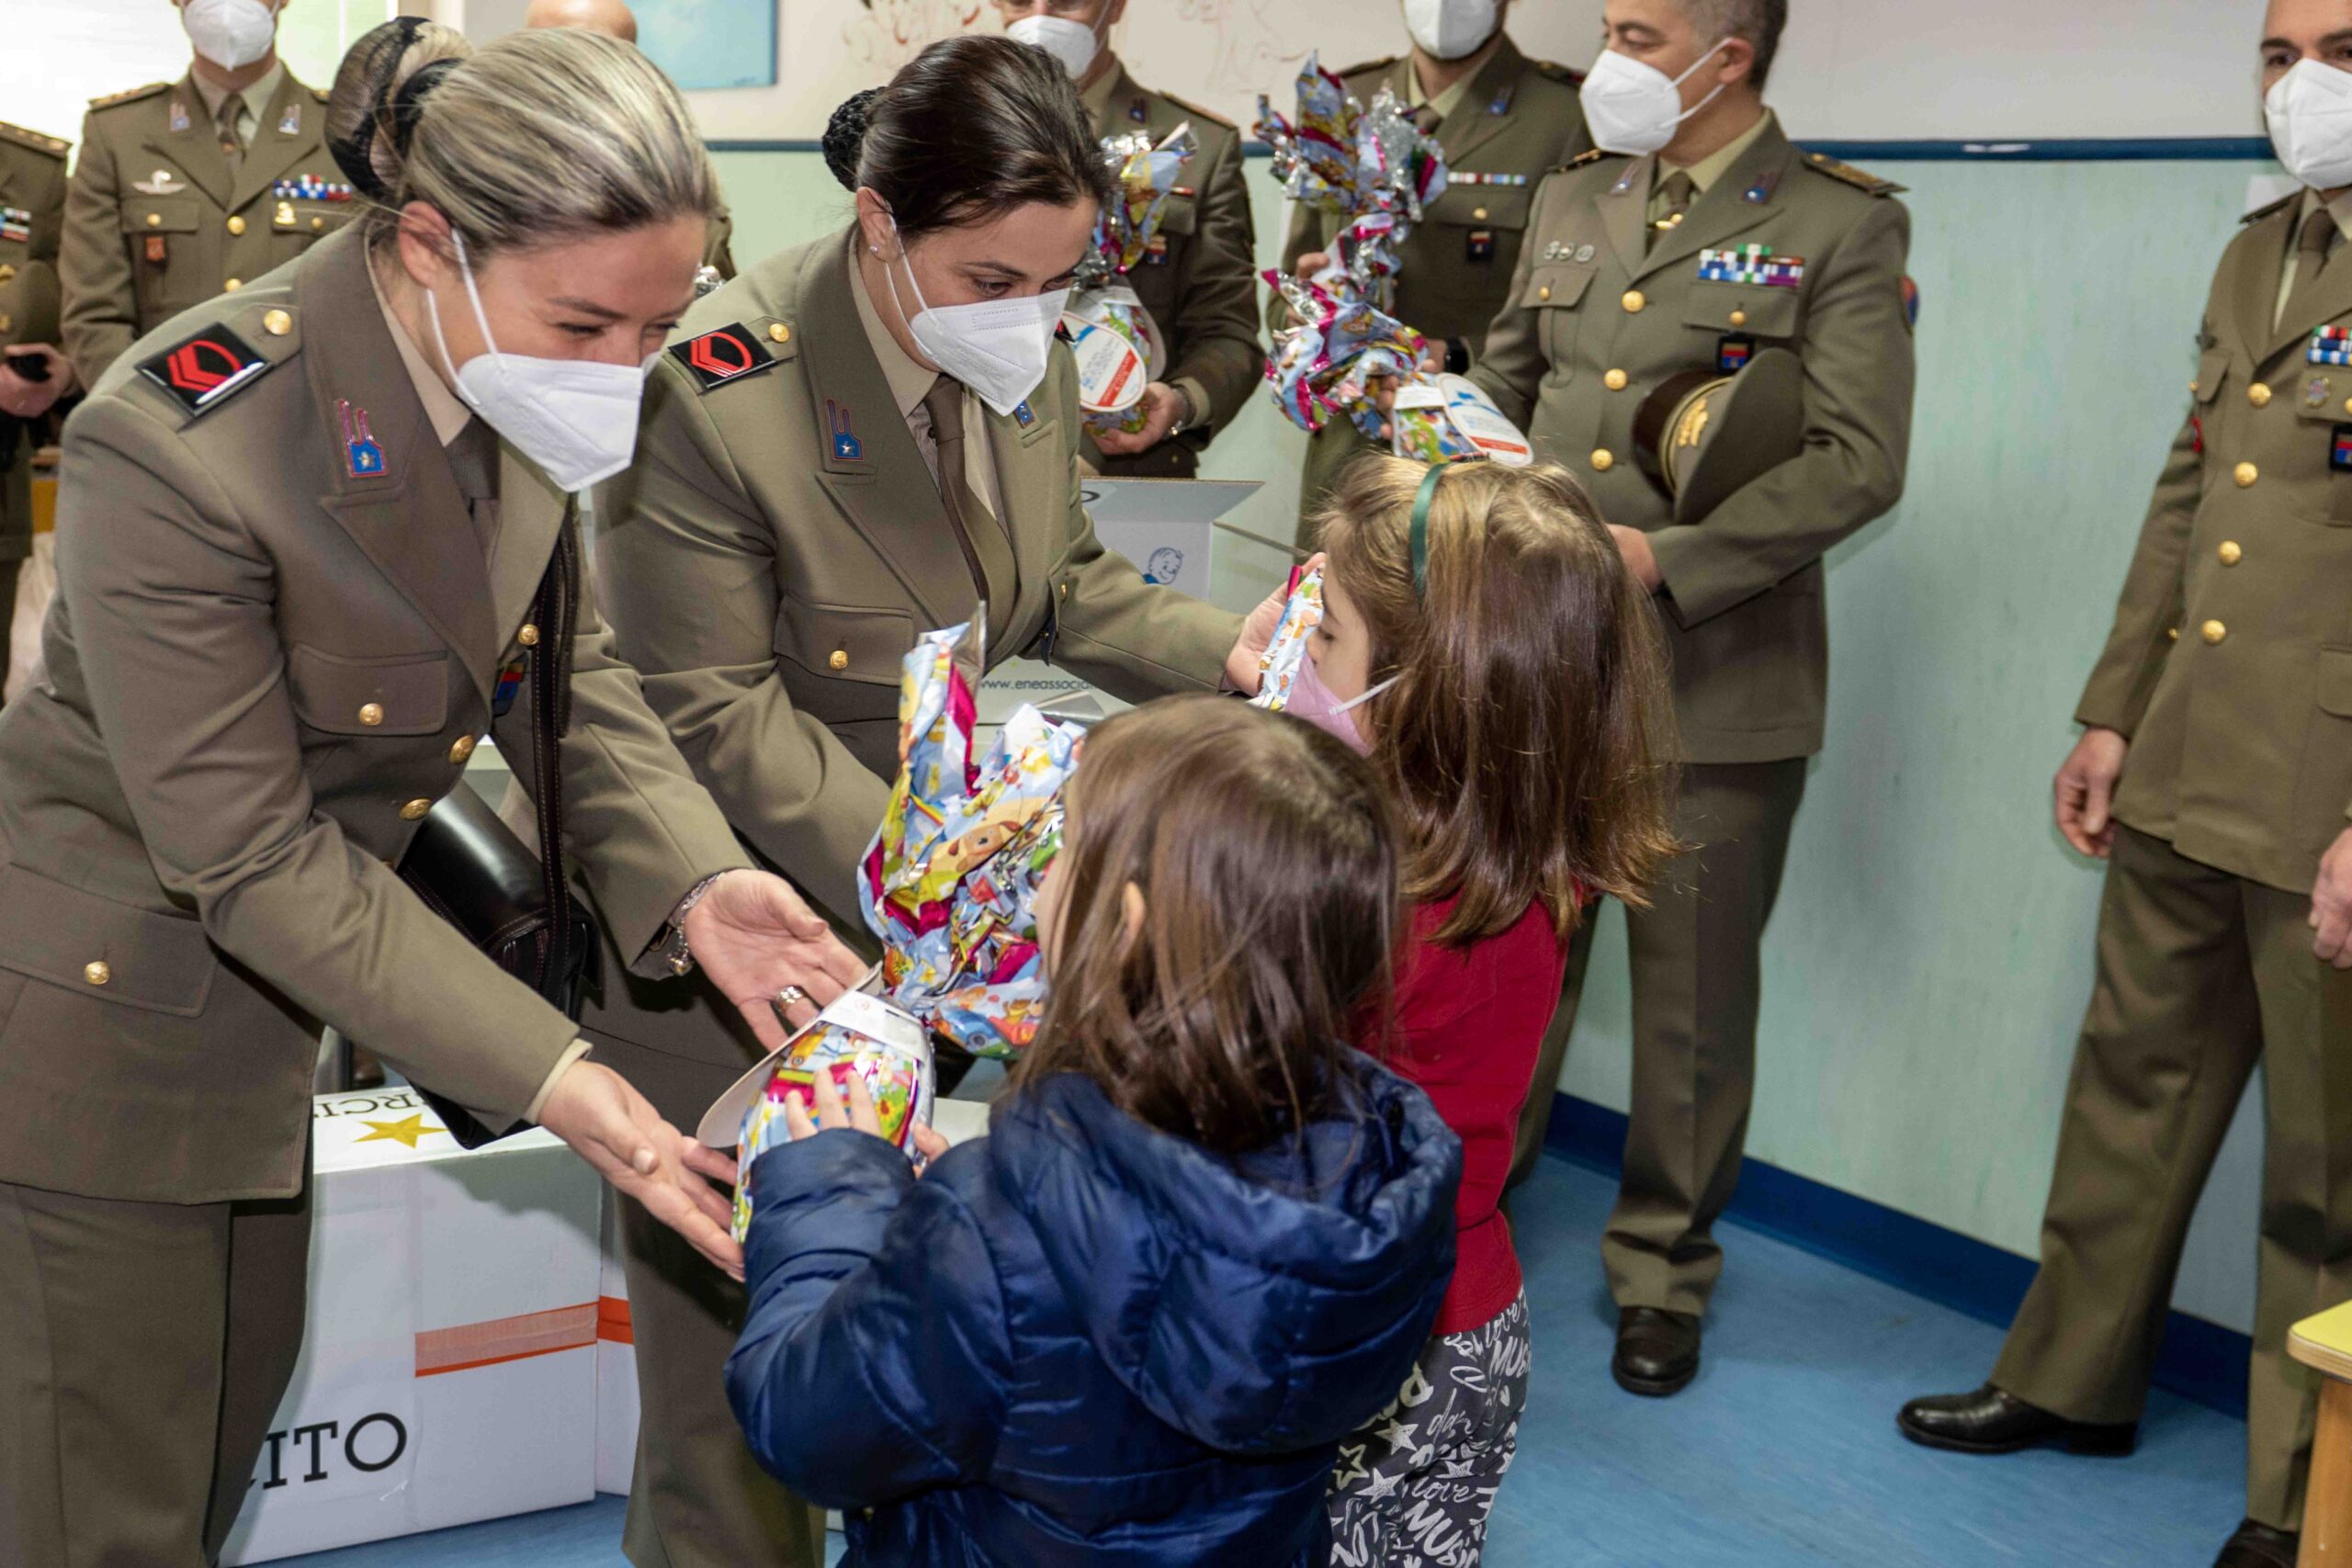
(856, 1113)
(930, 1143)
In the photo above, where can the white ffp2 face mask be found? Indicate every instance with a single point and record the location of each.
(2310, 114)
(231, 34)
(575, 418)
(1073, 43)
(1632, 109)
(998, 347)
(1448, 29)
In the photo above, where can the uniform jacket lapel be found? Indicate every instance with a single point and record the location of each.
(196, 149)
(1623, 214)
(2327, 299)
(410, 519)
(531, 512)
(275, 148)
(1034, 476)
(1471, 124)
(2250, 281)
(1724, 209)
(878, 476)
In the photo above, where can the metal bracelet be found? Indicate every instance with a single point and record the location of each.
(675, 949)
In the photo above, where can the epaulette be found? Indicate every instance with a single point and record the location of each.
(2259, 213)
(1381, 64)
(201, 373)
(1822, 164)
(1557, 72)
(133, 97)
(51, 145)
(1199, 113)
(729, 352)
(1588, 156)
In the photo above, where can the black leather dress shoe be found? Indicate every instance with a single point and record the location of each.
(2259, 1546)
(1658, 1352)
(1992, 1422)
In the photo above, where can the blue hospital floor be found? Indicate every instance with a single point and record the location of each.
(1783, 1453)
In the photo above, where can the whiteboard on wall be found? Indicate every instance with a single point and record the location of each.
(1850, 70)
(61, 54)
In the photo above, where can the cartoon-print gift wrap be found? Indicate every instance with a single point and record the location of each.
(1278, 666)
(856, 1036)
(1120, 348)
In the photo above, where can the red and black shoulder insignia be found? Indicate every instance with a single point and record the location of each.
(728, 353)
(207, 370)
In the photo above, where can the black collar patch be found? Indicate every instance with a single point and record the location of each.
(207, 370)
(728, 355)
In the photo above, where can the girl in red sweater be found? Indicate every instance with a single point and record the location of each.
(1484, 645)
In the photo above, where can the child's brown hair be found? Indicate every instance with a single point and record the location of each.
(1266, 856)
(1527, 741)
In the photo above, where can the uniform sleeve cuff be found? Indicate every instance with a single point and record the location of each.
(577, 1049)
(1196, 400)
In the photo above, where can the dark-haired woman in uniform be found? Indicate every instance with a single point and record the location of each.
(854, 443)
(304, 530)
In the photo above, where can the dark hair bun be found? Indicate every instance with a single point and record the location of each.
(845, 135)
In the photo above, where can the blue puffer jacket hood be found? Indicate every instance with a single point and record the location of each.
(1249, 1303)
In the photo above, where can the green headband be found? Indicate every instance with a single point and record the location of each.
(1421, 532)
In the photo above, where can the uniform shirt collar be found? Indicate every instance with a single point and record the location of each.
(257, 97)
(2340, 209)
(1097, 99)
(909, 382)
(1717, 163)
(443, 410)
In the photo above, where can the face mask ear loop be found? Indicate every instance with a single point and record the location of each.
(1710, 98)
(466, 270)
(441, 339)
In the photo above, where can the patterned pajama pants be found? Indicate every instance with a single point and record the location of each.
(1413, 1488)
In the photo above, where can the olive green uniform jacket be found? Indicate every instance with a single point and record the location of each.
(1597, 319)
(1201, 286)
(155, 224)
(769, 562)
(265, 666)
(1519, 120)
(2230, 662)
(32, 216)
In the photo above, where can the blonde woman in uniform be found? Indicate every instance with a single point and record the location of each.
(303, 529)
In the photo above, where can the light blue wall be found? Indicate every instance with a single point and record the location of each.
(1928, 964)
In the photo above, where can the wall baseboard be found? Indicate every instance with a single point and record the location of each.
(2198, 1360)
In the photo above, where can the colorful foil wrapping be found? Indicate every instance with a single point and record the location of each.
(1148, 173)
(1278, 666)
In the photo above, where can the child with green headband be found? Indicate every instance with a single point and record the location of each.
(1484, 645)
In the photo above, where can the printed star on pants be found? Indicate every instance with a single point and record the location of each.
(1396, 1433)
(1381, 1483)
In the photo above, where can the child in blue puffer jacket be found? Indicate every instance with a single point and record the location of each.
(1204, 1240)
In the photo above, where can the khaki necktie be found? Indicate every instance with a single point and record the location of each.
(987, 551)
(1426, 119)
(473, 462)
(2311, 249)
(1678, 191)
(233, 143)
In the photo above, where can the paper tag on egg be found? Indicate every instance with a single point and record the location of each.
(1476, 417)
(1112, 374)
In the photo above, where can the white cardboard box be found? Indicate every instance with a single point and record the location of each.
(449, 1372)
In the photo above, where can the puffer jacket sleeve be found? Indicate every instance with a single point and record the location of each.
(874, 1357)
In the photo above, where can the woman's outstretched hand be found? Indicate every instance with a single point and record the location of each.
(616, 1130)
(754, 935)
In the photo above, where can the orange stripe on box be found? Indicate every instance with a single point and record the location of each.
(613, 1320)
(506, 1339)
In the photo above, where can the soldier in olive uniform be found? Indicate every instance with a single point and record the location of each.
(32, 215)
(2214, 775)
(1504, 121)
(1199, 279)
(187, 190)
(1637, 269)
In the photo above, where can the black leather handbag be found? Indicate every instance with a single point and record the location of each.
(471, 869)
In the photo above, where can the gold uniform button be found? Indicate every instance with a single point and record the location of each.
(1545, 292)
(416, 811)
(1478, 214)
(2258, 395)
(372, 715)
(1633, 301)
(98, 972)
(1603, 459)
(528, 636)
(1614, 381)
(155, 220)
(1739, 318)
(277, 323)
(2246, 474)
(463, 750)
(318, 224)
(779, 332)
(2213, 631)
(232, 286)
(2230, 552)
(236, 225)
(838, 660)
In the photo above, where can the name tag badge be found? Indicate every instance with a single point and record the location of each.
(1481, 245)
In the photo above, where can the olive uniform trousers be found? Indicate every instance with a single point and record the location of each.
(147, 1348)
(2201, 975)
(1696, 987)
